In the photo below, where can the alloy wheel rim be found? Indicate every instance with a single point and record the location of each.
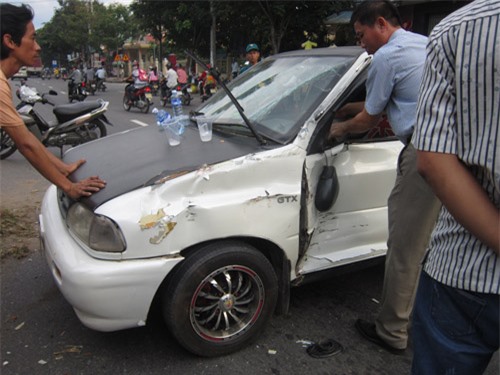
(227, 303)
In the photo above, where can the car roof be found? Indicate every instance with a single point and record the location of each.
(348, 51)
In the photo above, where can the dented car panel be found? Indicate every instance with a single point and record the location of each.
(218, 201)
(355, 227)
(145, 160)
(220, 230)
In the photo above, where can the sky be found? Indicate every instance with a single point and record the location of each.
(44, 9)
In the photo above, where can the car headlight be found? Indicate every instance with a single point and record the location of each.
(96, 231)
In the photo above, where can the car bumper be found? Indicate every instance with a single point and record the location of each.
(107, 295)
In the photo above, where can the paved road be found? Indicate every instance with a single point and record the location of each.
(40, 334)
(122, 119)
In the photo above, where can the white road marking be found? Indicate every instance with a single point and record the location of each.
(140, 123)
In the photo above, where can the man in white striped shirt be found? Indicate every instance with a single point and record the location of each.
(456, 315)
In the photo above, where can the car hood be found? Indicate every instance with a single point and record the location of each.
(142, 156)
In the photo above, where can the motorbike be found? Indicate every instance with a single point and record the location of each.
(155, 87)
(46, 74)
(186, 96)
(100, 85)
(141, 97)
(75, 123)
(166, 93)
(92, 86)
(77, 91)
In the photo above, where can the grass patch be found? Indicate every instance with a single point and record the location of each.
(18, 232)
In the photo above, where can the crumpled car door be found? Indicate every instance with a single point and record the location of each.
(353, 227)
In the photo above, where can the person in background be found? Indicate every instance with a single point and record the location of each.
(456, 318)
(100, 76)
(253, 57)
(89, 75)
(392, 87)
(171, 76)
(74, 79)
(153, 75)
(135, 81)
(182, 76)
(235, 68)
(19, 48)
(153, 79)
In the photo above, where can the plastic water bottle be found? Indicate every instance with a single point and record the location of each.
(177, 110)
(162, 118)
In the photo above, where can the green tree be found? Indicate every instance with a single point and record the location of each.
(179, 25)
(82, 27)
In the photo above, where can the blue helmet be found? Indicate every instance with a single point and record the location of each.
(252, 47)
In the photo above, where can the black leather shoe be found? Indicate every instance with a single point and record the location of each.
(369, 332)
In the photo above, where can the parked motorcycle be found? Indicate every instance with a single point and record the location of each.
(141, 97)
(166, 93)
(77, 91)
(76, 123)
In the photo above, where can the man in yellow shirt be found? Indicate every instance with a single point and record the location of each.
(19, 48)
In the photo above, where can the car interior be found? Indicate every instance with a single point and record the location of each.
(356, 93)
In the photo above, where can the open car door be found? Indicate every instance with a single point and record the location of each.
(345, 190)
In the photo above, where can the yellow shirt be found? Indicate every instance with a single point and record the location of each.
(309, 45)
(8, 114)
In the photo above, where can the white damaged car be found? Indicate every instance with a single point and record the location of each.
(218, 232)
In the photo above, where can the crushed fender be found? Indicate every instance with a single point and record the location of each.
(150, 221)
(165, 229)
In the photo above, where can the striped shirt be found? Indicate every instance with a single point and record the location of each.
(458, 113)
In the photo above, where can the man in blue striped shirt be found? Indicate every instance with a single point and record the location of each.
(456, 316)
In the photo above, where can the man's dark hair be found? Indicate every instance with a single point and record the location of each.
(368, 12)
(13, 21)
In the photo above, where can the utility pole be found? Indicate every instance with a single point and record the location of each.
(212, 34)
(90, 57)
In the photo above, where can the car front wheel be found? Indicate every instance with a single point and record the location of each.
(220, 298)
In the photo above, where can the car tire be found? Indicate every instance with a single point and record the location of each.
(220, 298)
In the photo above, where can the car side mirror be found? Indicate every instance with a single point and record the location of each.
(327, 190)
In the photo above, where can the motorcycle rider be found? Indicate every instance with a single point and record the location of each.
(171, 76)
(100, 77)
(169, 82)
(75, 80)
(19, 48)
(134, 81)
(182, 76)
(153, 79)
(206, 82)
(89, 75)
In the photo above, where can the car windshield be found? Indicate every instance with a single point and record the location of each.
(277, 95)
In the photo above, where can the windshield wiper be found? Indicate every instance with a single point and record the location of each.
(238, 106)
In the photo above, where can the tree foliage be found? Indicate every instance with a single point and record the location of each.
(82, 27)
(276, 26)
